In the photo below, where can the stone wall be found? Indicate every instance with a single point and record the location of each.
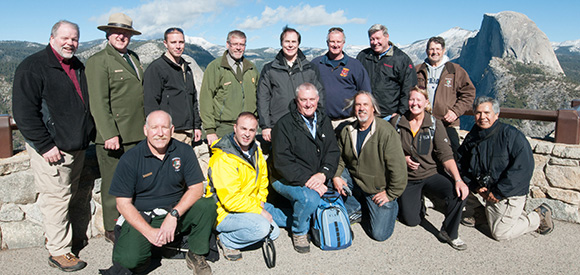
(555, 181)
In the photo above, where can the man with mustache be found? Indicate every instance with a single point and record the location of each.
(51, 107)
(496, 162)
(168, 85)
(158, 186)
(371, 151)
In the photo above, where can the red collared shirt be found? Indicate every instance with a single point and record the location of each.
(69, 71)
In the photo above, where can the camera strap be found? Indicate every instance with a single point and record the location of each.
(269, 250)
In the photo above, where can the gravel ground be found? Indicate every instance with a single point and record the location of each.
(411, 250)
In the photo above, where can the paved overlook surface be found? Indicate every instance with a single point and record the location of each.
(411, 250)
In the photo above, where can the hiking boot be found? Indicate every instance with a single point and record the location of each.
(300, 243)
(229, 254)
(546, 223)
(197, 263)
(355, 217)
(67, 262)
(468, 221)
(456, 243)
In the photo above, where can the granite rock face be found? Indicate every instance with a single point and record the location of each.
(508, 34)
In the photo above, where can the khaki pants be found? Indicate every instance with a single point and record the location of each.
(57, 185)
(185, 136)
(507, 219)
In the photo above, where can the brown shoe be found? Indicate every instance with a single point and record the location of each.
(110, 236)
(67, 262)
(300, 243)
(229, 254)
(546, 223)
(197, 263)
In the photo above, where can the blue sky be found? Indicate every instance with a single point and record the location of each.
(262, 20)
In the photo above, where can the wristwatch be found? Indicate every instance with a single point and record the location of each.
(174, 213)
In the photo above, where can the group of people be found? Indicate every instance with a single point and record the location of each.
(375, 128)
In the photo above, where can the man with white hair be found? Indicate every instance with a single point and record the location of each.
(158, 187)
(305, 156)
(496, 162)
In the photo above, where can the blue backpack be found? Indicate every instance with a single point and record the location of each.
(330, 223)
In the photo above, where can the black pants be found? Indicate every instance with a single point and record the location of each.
(453, 140)
(411, 207)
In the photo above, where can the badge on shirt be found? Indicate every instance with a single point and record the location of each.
(344, 72)
(176, 162)
(448, 82)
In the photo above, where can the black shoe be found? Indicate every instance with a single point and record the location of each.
(110, 236)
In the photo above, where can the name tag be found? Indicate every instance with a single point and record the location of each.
(148, 174)
(227, 83)
(118, 71)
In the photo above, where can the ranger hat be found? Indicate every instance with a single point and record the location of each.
(119, 21)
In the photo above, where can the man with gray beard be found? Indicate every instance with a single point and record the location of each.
(372, 154)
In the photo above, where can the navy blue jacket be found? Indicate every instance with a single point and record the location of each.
(501, 151)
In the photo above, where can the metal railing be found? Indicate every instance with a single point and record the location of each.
(567, 124)
(567, 120)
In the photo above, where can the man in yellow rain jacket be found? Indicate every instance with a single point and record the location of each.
(238, 180)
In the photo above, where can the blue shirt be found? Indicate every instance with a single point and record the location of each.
(311, 124)
(341, 82)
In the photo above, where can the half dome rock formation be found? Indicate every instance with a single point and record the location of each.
(508, 35)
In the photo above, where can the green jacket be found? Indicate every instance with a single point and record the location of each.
(116, 96)
(380, 165)
(222, 96)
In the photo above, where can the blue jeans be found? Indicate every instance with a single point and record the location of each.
(378, 222)
(239, 230)
(350, 202)
(304, 202)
